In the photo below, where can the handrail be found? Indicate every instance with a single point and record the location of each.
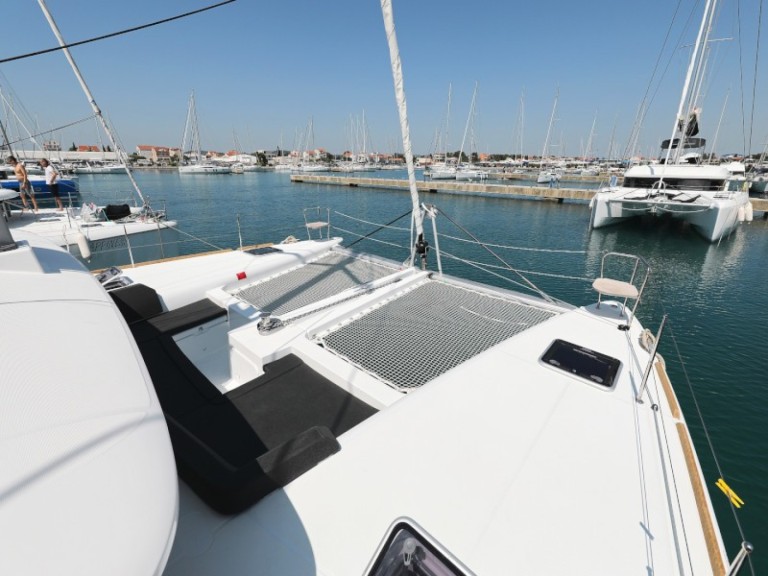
(623, 289)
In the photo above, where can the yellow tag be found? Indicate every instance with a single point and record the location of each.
(732, 496)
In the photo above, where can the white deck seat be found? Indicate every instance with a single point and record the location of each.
(631, 289)
(617, 288)
(316, 225)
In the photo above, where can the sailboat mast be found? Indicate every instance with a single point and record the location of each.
(397, 75)
(694, 67)
(446, 143)
(588, 148)
(89, 96)
(719, 123)
(469, 120)
(186, 131)
(549, 128)
(522, 122)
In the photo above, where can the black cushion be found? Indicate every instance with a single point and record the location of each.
(234, 449)
(187, 317)
(117, 211)
(137, 302)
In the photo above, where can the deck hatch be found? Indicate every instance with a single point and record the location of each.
(582, 362)
(428, 330)
(409, 549)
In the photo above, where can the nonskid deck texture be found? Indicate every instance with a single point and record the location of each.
(430, 329)
(328, 275)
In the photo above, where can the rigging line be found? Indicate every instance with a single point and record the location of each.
(448, 236)
(401, 229)
(531, 272)
(394, 245)
(530, 284)
(522, 248)
(113, 34)
(180, 231)
(703, 424)
(33, 136)
(741, 83)
(754, 78)
(484, 268)
(380, 228)
(643, 108)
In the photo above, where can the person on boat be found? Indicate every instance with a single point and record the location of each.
(25, 188)
(50, 179)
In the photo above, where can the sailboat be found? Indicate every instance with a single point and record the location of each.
(549, 174)
(333, 412)
(443, 170)
(69, 189)
(469, 171)
(191, 139)
(713, 199)
(89, 230)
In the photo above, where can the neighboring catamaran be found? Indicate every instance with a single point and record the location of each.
(713, 199)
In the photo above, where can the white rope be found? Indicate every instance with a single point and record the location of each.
(399, 228)
(370, 238)
(465, 240)
(531, 272)
(521, 248)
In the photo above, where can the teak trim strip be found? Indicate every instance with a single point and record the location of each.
(710, 534)
(668, 391)
(707, 524)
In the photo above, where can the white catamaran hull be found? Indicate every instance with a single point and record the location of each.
(712, 217)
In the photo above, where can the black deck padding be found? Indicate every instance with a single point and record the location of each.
(229, 489)
(234, 449)
(187, 317)
(137, 302)
(290, 394)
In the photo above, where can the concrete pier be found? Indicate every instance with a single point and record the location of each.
(451, 187)
(472, 188)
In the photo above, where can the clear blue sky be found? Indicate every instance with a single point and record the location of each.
(263, 69)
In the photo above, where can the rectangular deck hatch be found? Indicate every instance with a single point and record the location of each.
(582, 362)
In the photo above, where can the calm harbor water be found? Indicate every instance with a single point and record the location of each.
(715, 296)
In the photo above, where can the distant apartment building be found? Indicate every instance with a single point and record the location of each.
(157, 154)
(51, 146)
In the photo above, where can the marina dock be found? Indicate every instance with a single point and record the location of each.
(472, 188)
(451, 187)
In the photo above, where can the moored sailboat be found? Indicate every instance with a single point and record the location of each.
(191, 139)
(89, 229)
(713, 199)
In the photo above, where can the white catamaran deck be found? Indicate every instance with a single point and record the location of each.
(506, 460)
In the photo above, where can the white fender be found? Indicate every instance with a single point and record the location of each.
(82, 243)
(749, 212)
(742, 214)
